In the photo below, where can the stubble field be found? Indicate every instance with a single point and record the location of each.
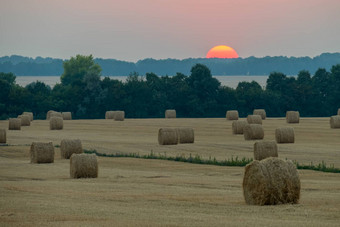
(139, 192)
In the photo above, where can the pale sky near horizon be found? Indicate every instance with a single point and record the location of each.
(132, 30)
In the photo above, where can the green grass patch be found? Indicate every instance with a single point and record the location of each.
(191, 159)
(233, 161)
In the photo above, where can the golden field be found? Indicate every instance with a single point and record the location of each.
(139, 192)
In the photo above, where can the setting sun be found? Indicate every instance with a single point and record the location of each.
(222, 52)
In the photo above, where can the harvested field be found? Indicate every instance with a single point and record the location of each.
(140, 192)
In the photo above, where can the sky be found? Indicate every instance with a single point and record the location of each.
(133, 30)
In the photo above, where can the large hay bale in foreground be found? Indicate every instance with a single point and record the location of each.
(253, 132)
(14, 124)
(56, 123)
(69, 147)
(110, 114)
(271, 181)
(292, 116)
(335, 121)
(25, 120)
(83, 166)
(237, 126)
(2, 135)
(185, 135)
(170, 114)
(42, 152)
(119, 115)
(265, 149)
(285, 135)
(48, 115)
(232, 115)
(167, 136)
(29, 114)
(260, 112)
(67, 115)
(254, 119)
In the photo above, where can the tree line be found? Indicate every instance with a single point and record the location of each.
(39, 66)
(87, 96)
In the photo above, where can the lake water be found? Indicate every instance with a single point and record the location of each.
(230, 81)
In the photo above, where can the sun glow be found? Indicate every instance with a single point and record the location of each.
(222, 52)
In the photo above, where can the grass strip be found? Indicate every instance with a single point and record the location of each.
(211, 161)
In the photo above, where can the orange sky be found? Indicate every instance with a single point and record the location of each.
(137, 29)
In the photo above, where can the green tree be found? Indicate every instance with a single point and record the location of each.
(77, 68)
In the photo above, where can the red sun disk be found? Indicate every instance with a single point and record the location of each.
(222, 52)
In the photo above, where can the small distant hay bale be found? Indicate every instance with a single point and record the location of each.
(83, 166)
(254, 119)
(56, 123)
(14, 124)
(42, 152)
(237, 126)
(119, 115)
(67, 115)
(110, 114)
(167, 136)
(265, 149)
(69, 147)
(56, 114)
(232, 115)
(339, 111)
(260, 112)
(292, 116)
(285, 135)
(185, 135)
(29, 114)
(271, 181)
(253, 132)
(2, 135)
(170, 114)
(335, 121)
(48, 115)
(25, 120)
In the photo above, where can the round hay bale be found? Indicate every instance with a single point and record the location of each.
(67, 115)
(25, 120)
(42, 152)
(339, 111)
(56, 114)
(14, 124)
(119, 115)
(2, 135)
(232, 115)
(335, 121)
(253, 132)
(292, 116)
(237, 126)
(29, 114)
(254, 119)
(265, 149)
(167, 136)
(260, 112)
(83, 166)
(56, 123)
(285, 135)
(170, 114)
(110, 114)
(69, 147)
(271, 181)
(185, 135)
(48, 115)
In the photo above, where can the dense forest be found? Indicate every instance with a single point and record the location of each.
(86, 95)
(24, 66)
